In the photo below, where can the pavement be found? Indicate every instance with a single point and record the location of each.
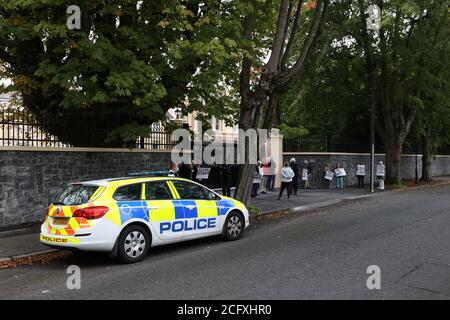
(325, 254)
(24, 242)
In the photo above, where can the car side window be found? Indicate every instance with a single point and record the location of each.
(191, 191)
(157, 190)
(131, 192)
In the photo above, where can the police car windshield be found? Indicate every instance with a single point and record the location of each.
(76, 195)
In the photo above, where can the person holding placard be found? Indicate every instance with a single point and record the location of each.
(329, 175)
(381, 171)
(361, 174)
(306, 173)
(340, 174)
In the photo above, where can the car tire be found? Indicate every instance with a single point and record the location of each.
(234, 226)
(133, 245)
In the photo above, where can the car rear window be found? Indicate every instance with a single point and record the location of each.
(76, 195)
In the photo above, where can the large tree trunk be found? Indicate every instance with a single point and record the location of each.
(427, 150)
(393, 161)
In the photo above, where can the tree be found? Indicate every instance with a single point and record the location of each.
(432, 126)
(131, 61)
(260, 94)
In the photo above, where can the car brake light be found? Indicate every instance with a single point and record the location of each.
(91, 213)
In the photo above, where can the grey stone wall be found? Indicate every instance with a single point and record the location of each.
(30, 180)
(440, 166)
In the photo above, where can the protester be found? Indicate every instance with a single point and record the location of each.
(173, 170)
(265, 177)
(286, 180)
(340, 174)
(306, 173)
(361, 174)
(381, 169)
(185, 171)
(329, 175)
(194, 172)
(226, 179)
(256, 180)
(272, 173)
(296, 170)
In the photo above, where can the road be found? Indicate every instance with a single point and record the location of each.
(321, 255)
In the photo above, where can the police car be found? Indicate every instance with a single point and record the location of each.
(127, 216)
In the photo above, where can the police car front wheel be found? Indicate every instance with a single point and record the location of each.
(234, 226)
(134, 243)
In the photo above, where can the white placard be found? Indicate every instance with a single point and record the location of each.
(340, 172)
(381, 170)
(305, 175)
(257, 178)
(361, 170)
(329, 175)
(203, 173)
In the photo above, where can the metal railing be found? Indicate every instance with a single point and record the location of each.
(20, 128)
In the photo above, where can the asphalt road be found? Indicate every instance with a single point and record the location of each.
(321, 255)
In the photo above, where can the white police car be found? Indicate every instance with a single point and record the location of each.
(127, 216)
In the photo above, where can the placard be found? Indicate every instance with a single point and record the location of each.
(305, 175)
(329, 175)
(361, 170)
(340, 172)
(381, 170)
(257, 178)
(203, 173)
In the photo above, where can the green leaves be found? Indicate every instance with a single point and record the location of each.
(124, 69)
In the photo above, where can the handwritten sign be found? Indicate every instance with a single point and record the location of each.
(340, 172)
(361, 170)
(203, 173)
(381, 170)
(329, 175)
(305, 175)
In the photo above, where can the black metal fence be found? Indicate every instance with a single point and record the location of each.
(20, 128)
(342, 144)
(328, 144)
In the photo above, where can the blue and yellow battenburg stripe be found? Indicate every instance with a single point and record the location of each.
(168, 210)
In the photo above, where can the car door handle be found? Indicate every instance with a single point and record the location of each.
(190, 207)
(152, 208)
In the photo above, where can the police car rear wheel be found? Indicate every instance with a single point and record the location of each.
(133, 244)
(234, 226)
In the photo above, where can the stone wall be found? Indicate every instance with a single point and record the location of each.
(440, 166)
(32, 178)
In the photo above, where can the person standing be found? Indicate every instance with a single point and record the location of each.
(185, 171)
(286, 180)
(361, 174)
(272, 173)
(226, 179)
(265, 177)
(256, 180)
(296, 170)
(340, 174)
(327, 170)
(381, 171)
(306, 174)
(173, 170)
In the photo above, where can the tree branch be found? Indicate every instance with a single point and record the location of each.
(295, 71)
(272, 64)
(293, 34)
